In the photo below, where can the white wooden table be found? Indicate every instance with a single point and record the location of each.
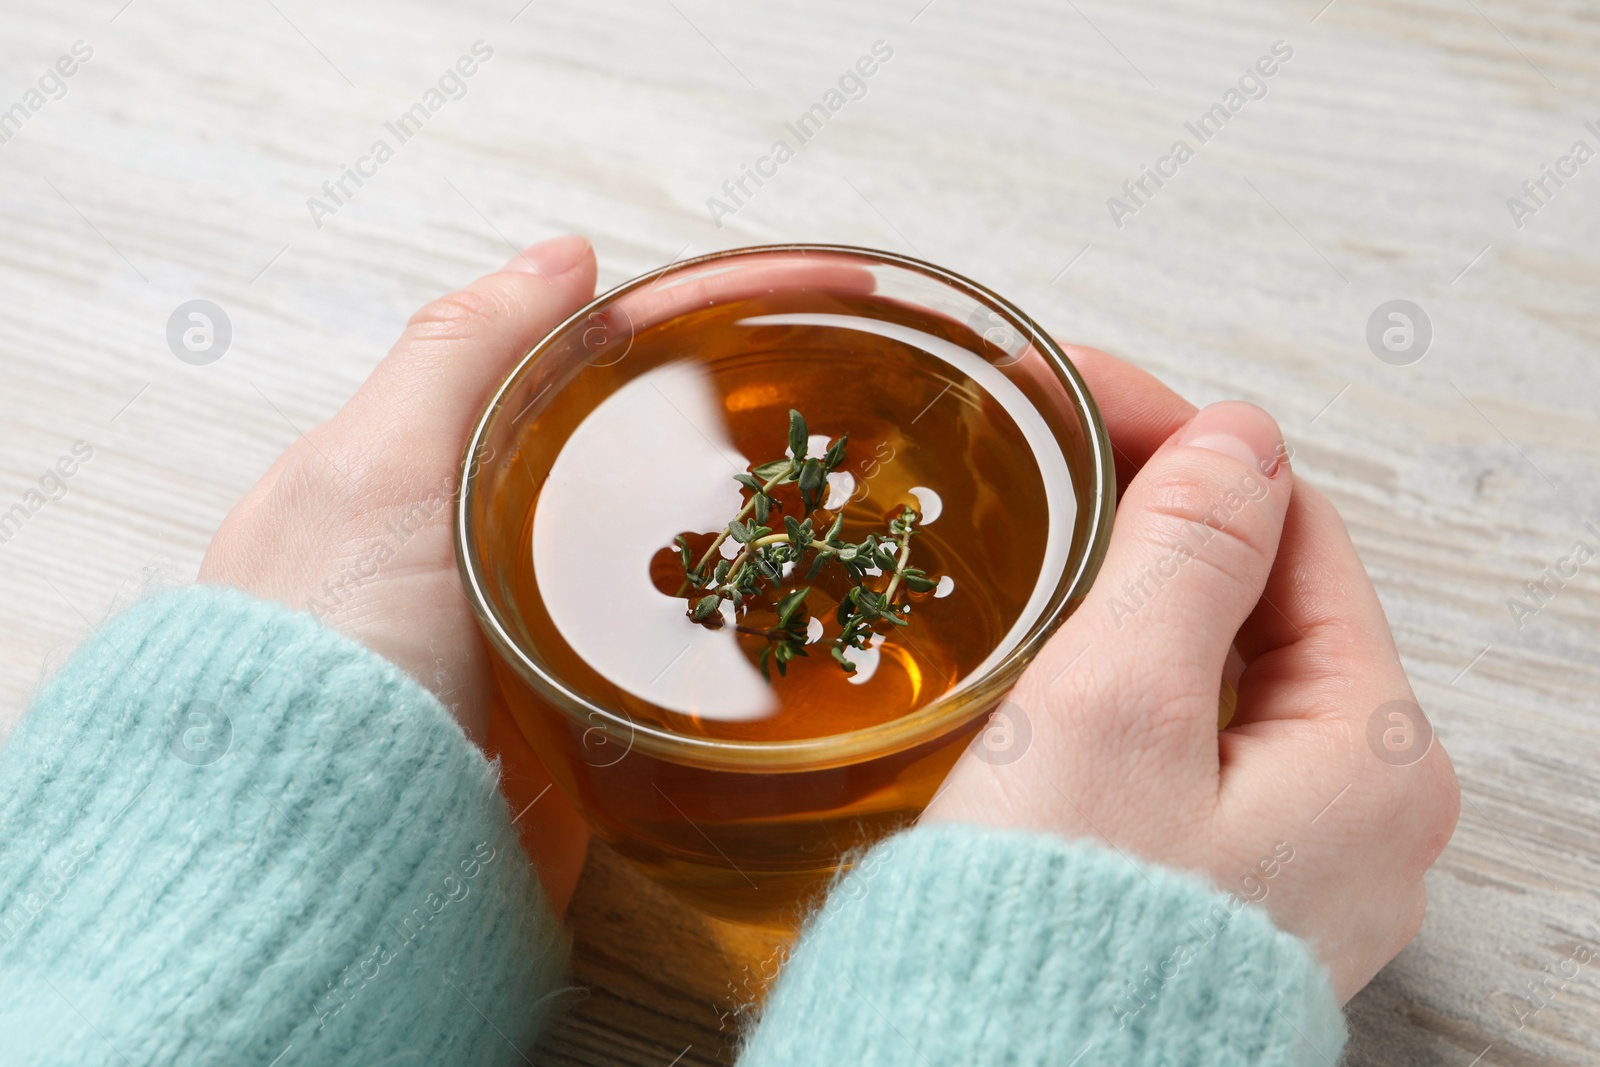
(179, 161)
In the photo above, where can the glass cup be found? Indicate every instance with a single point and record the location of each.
(747, 829)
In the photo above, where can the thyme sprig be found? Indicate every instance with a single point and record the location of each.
(767, 557)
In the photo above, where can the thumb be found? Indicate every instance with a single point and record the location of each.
(1193, 542)
(423, 397)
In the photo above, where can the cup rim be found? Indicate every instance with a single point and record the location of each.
(932, 720)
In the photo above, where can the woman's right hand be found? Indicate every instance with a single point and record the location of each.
(1327, 760)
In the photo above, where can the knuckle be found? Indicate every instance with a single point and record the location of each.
(1157, 720)
(1216, 523)
(1096, 700)
(305, 475)
(325, 466)
(1413, 912)
(1164, 726)
(455, 317)
(1418, 805)
(1443, 800)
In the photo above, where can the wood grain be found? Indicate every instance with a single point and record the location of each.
(179, 162)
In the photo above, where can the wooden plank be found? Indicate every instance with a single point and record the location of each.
(179, 162)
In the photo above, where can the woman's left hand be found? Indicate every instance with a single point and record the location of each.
(353, 523)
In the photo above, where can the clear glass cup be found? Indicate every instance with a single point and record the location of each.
(746, 829)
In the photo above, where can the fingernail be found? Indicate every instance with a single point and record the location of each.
(1239, 430)
(550, 258)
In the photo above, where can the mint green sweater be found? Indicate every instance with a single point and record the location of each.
(230, 835)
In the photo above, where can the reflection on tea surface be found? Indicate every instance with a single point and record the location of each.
(700, 399)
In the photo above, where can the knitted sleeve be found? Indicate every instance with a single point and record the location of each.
(229, 834)
(954, 945)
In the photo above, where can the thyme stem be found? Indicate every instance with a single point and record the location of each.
(765, 556)
(900, 565)
(744, 512)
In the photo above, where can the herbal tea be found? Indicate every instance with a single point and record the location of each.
(661, 464)
(759, 540)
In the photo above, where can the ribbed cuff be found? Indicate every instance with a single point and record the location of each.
(959, 945)
(229, 834)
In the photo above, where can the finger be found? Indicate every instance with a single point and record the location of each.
(1139, 412)
(421, 400)
(1318, 611)
(1318, 587)
(1191, 548)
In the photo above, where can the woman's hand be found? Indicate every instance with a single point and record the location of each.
(1326, 797)
(353, 522)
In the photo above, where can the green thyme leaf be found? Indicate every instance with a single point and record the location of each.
(876, 566)
(790, 604)
(798, 435)
(812, 480)
(768, 471)
(835, 454)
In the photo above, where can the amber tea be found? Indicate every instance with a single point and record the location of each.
(740, 538)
